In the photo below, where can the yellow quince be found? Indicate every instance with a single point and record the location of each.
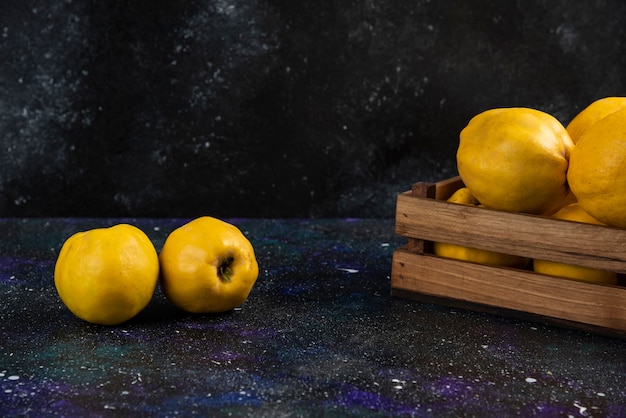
(515, 159)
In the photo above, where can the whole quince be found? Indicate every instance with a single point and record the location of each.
(107, 275)
(515, 159)
(465, 197)
(597, 170)
(207, 266)
(574, 212)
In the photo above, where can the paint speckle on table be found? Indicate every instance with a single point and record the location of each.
(347, 270)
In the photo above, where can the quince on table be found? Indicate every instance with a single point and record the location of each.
(207, 266)
(107, 276)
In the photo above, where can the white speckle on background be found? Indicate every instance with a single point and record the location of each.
(398, 384)
(531, 380)
(581, 409)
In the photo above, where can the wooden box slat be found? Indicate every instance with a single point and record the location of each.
(424, 216)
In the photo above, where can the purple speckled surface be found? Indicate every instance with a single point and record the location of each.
(319, 336)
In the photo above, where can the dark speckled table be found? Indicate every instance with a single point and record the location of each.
(319, 336)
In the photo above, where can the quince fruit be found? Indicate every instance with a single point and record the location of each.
(597, 110)
(207, 266)
(515, 159)
(574, 212)
(107, 275)
(597, 167)
(465, 197)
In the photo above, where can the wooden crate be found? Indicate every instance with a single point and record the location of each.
(424, 216)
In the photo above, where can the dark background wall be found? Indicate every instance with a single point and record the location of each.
(274, 108)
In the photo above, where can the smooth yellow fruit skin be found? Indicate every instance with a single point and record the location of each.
(107, 276)
(597, 110)
(193, 260)
(465, 197)
(574, 212)
(515, 159)
(597, 172)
